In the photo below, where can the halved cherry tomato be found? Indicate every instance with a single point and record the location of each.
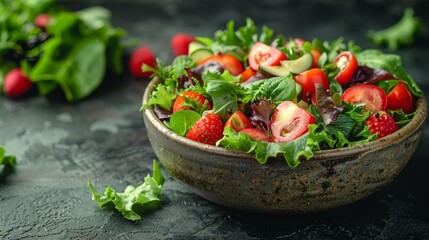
(289, 121)
(246, 74)
(347, 64)
(307, 80)
(188, 96)
(227, 61)
(400, 98)
(256, 134)
(238, 121)
(262, 54)
(374, 97)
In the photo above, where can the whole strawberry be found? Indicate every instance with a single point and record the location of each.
(381, 123)
(208, 129)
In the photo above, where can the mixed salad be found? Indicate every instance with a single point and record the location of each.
(251, 90)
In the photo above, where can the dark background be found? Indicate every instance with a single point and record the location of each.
(60, 145)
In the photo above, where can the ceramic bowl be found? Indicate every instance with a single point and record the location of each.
(330, 179)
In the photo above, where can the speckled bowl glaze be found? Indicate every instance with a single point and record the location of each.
(331, 179)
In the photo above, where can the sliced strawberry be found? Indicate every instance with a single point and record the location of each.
(256, 134)
(16, 83)
(238, 121)
(140, 56)
(180, 43)
(208, 129)
(382, 124)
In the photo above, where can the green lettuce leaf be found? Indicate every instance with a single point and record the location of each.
(133, 200)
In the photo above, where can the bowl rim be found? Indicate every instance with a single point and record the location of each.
(414, 125)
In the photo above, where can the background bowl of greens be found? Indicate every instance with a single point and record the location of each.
(330, 179)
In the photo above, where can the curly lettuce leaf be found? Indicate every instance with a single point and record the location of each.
(400, 34)
(291, 151)
(133, 200)
(276, 89)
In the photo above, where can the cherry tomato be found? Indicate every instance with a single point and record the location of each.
(400, 98)
(289, 122)
(227, 61)
(246, 74)
(347, 64)
(16, 83)
(374, 97)
(261, 54)
(180, 43)
(256, 134)
(238, 121)
(42, 21)
(307, 80)
(179, 103)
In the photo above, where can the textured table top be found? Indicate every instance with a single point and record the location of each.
(59, 145)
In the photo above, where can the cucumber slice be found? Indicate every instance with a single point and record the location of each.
(200, 54)
(298, 65)
(288, 67)
(194, 46)
(279, 71)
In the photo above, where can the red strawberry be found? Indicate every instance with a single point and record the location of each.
(208, 129)
(140, 56)
(16, 83)
(381, 123)
(180, 43)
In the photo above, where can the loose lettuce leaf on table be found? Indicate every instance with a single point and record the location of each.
(133, 200)
(7, 163)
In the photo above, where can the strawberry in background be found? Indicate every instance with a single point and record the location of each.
(180, 43)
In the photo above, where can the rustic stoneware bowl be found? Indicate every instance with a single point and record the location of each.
(332, 178)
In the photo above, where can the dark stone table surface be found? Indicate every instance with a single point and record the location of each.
(60, 146)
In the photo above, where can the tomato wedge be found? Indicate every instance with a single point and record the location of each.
(400, 98)
(256, 134)
(262, 54)
(307, 80)
(238, 121)
(347, 64)
(227, 61)
(289, 121)
(374, 97)
(246, 74)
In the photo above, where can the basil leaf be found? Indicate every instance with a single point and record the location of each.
(78, 69)
(182, 121)
(225, 97)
